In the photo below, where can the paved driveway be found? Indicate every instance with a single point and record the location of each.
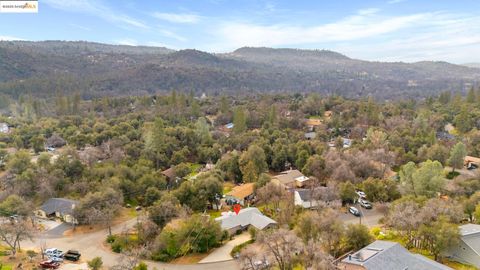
(91, 245)
(370, 217)
(223, 253)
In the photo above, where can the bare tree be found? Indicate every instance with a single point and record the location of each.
(282, 245)
(249, 258)
(13, 234)
(314, 258)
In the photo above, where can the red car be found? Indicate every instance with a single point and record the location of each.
(49, 264)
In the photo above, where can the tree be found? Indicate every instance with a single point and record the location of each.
(271, 193)
(19, 162)
(405, 217)
(95, 264)
(471, 97)
(239, 120)
(252, 163)
(347, 192)
(315, 166)
(38, 144)
(12, 234)
(457, 156)
(99, 208)
(439, 236)
(281, 245)
(426, 180)
(357, 236)
(315, 258)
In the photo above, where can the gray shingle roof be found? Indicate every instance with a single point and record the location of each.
(61, 205)
(247, 216)
(381, 255)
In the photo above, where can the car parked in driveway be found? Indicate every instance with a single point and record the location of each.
(361, 194)
(53, 252)
(365, 204)
(49, 264)
(354, 211)
(72, 255)
(55, 259)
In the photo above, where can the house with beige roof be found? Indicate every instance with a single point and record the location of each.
(243, 194)
(291, 179)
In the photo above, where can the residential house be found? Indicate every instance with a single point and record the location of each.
(247, 217)
(468, 250)
(4, 128)
(169, 174)
(310, 135)
(243, 194)
(317, 197)
(346, 142)
(382, 255)
(291, 179)
(58, 207)
(471, 160)
(313, 123)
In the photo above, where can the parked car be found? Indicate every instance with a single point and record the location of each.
(354, 211)
(261, 264)
(53, 252)
(471, 166)
(365, 204)
(72, 255)
(361, 194)
(50, 149)
(49, 264)
(55, 259)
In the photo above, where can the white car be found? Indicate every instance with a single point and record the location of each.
(361, 194)
(53, 252)
(55, 259)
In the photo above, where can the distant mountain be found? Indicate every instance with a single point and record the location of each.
(472, 65)
(46, 68)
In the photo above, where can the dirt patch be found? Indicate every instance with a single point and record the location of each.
(124, 215)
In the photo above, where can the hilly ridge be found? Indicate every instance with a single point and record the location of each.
(45, 68)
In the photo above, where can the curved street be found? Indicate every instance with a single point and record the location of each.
(91, 245)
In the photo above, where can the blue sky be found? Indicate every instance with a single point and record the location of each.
(386, 30)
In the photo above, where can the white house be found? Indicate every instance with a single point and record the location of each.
(313, 198)
(4, 128)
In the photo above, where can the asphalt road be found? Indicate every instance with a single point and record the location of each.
(370, 217)
(91, 245)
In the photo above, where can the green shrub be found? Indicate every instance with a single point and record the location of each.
(111, 239)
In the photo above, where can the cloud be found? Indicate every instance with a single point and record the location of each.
(364, 24)
(80, 27)
(97, 9)
(177, 17)
(170, 34)
(126, 41)
(395, 1)
(10, 38)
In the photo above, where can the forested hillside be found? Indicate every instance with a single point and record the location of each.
(45, 69)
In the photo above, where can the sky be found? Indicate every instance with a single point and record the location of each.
(380, 30)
